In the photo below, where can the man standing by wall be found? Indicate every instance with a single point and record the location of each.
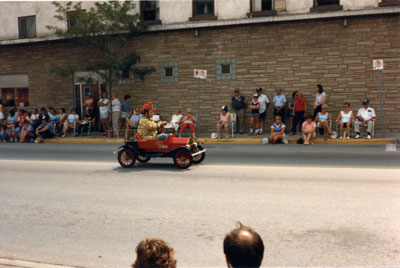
(279, 103)
(239, 104)
(264, 103)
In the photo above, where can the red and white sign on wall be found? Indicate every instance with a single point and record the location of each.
(377, 64)
(202, 74)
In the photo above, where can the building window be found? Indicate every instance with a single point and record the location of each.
(169, 72)
(225, 69)
(27, 27)
(388, 3)
(203, 10)
(150, 11)
(326, 5)
(262, 8)
(11, 97)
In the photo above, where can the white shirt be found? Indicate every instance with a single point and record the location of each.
(345, 117)
(34, 116)
(366, 114)
(263, 100)
(318, 98)
(115, 105)
(1, 116)
(176, 118)
(104, 109)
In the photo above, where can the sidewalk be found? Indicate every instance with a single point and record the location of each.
(238, 138)
(8, 263)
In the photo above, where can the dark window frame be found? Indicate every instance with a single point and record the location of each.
(224, 67)
(143, 10)
(326, 7)
(169, 71)
(20, 19)
(262, 13)
(389, 3)
(17, 98)
(196, 17)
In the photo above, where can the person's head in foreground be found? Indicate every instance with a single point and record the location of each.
(243, 247)
(154, 253)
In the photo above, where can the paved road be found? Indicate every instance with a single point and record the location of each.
(257, 154)
(93, 213)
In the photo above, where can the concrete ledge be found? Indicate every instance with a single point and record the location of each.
(242, 140)
(28, 264)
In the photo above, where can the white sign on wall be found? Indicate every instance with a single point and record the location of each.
(202, 74)
(377, 64)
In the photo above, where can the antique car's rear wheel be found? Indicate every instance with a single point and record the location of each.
(197, 159)
(183, 158)
(126, 158)
(142, 159)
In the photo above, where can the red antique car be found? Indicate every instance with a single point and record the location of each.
(184, 151)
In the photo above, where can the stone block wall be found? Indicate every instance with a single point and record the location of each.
(291, 55)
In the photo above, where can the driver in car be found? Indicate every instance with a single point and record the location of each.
(148, 128)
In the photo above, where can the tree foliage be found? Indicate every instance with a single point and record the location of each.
(108, 28)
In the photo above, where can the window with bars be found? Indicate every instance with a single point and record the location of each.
(326, 5)
(150, 11)
(262, 8)
(15, 97)
(203, 10)
(326, 2)
(27, 27)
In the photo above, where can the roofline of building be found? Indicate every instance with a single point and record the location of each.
(237, 22)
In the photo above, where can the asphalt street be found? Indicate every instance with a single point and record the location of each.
(72, 204)
(230, 154)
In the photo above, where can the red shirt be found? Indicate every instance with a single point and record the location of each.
(23, 117)
(300, 104)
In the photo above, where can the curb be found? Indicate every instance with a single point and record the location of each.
(248, 141)
(28, 264)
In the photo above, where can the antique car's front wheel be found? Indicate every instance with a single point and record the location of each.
(142, 159)
(197, 159)
(126, 158)
(183, 158)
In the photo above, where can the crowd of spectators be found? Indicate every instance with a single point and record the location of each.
(299, 121)
(24, 126)
(242, 247)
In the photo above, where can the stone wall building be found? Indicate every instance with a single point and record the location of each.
(292, 44)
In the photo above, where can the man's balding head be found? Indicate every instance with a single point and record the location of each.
(243, 247)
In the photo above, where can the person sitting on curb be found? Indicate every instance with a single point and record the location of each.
(322, 119)
(308, 128)
(278, 131)
(188, 121)
(26, 132)
(243, 247)
(148, 129)
(84, 124)
(151, 253)
(44, 131)
(365, 118)
(225, 120)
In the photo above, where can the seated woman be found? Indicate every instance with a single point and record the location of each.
(188, 121)
(22, 116)
(148, 129)
(26, 132)
(278, 131)
(12, 117)
(71, 121)
(225, 120)
(308, 128)
(176, 120)
(13, 131)
(344, 119)
(323, 119)
(133, 122)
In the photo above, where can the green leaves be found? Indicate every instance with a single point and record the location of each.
(108, 28)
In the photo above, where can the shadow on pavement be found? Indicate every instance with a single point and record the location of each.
(150, 166)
